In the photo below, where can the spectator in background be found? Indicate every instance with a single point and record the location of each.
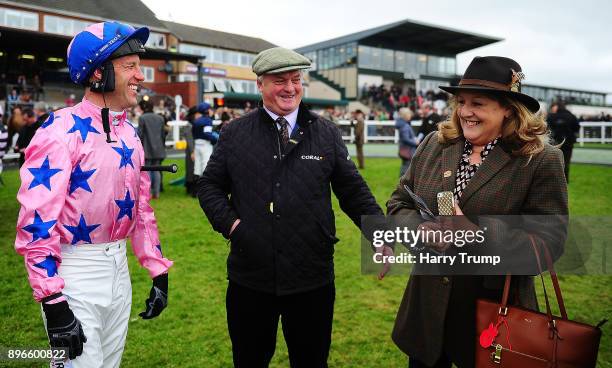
(359, 136)
(41, 110)
(162, 110)
(152, 133)
(70, 100)
(3, 144)
(15, 125)
(407, 140)
(32, 123)
(563, 127)
(247, 107)
(225, 119)
(22, 82)
(190, 179)
(430, 120)
(38, 87)
(204, 138)
(13, 97)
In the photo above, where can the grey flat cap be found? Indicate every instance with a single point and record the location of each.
(279, 60)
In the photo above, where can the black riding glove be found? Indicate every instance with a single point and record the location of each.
(64, 329)
(158, 297)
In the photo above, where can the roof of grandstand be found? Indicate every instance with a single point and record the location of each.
(410, 35)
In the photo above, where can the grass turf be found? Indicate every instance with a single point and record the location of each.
(192, 331)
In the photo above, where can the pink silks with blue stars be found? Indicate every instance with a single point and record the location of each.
(78, 189)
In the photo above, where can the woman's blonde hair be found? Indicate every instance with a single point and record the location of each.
(524, 131)
(406, 114)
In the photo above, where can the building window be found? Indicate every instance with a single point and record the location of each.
(208, 84)
(64, 26)
(375, 58)
(219, 84)
(18, 19)
(236, 86)
(451, 66)
(218, 56)
(156, 40)
(188, 78)
(190, 49)
(149, 74)
(387, 60)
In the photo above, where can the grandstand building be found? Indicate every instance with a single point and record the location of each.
(408, 54)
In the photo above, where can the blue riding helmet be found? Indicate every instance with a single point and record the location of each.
(100, 42)
(203, 107)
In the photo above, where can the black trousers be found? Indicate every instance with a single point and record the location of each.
(252, 320)
(567, 149)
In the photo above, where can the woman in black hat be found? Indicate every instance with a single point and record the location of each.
(493, 155)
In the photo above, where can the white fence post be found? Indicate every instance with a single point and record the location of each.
(602, 125)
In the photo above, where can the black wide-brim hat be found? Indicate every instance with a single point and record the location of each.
(497, 75)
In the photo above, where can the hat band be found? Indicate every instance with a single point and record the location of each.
(484, 83)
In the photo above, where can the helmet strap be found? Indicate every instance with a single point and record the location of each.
(106, 83)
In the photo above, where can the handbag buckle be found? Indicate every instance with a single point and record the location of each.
(503, 311)
(496, 355)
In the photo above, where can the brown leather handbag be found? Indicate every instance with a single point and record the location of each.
(510, 336)
(405, 153)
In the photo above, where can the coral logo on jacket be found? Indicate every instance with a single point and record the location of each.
(312, 157)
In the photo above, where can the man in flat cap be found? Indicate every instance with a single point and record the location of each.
(267, 189)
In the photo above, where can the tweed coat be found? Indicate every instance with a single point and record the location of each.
(503, 185)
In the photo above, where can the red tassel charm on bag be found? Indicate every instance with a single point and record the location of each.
(488, 336)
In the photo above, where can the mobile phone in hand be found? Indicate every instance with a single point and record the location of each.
(446, 203)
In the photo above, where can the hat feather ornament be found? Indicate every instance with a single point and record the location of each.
(517, 77)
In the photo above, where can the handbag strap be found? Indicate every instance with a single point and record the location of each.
(553, 274)
(503, 310)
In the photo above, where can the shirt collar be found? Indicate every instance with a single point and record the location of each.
(291, 117)
(467, 148)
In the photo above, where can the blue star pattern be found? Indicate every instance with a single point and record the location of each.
(39, 228)
(49, 120)
(42, 175)
(126, 155)
(83, 126)
(49, 264)
(82, 231)
(158, 246)
(78, 178)
(125, 206)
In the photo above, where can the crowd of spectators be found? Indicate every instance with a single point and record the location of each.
(387, 100)
(21, 90)
(600, 117)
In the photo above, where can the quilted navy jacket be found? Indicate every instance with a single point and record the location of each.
(284, 243)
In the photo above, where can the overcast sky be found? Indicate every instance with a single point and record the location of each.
(563, 43)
